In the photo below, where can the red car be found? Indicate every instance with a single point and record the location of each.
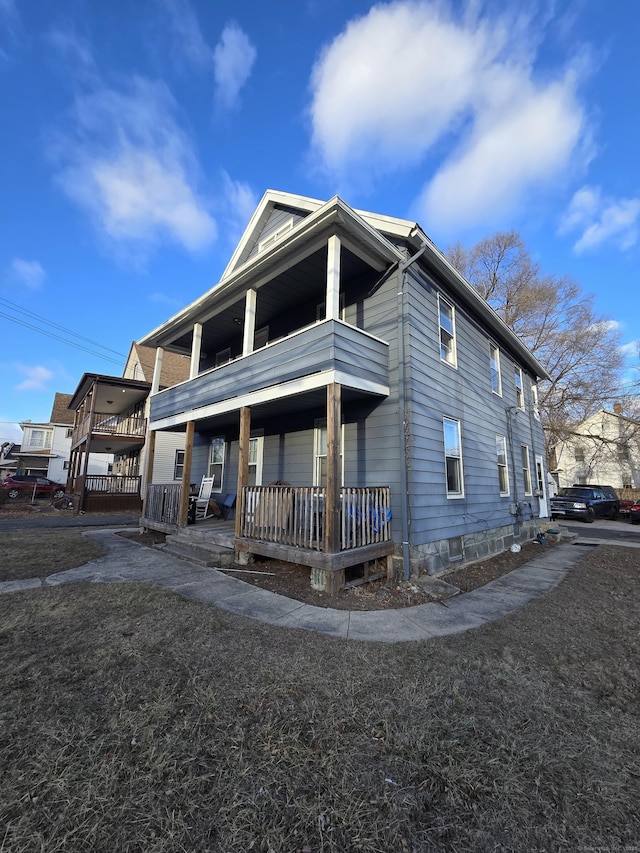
(634, 513)
(23, 484)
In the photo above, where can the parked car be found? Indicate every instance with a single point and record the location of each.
(585, 502)
(634, 513)
(625, 507)
(21, 484)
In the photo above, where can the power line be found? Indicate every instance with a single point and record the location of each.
(64, 340)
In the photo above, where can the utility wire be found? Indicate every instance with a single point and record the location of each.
(12, 306)
(59, 338)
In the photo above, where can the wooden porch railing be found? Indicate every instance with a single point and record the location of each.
(112, 484)
(110, 424)
(162, 502)
(294, 516)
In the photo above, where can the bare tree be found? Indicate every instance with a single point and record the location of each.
(556, 320)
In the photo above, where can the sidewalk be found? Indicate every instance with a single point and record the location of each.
(129, 562)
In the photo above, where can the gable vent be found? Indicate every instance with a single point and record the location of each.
(279, 232)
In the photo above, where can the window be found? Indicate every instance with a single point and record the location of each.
(578, 454)
(255, 460)
(223, 356)
(65, 465)
(40, 438)
(320, 453)
(496, 378)
(178, 465)
(216, 461)
(453, 458)
(69, 433)
(447, 332)
(519, 389)
(526, 470)
(501, 458)
(536, 404)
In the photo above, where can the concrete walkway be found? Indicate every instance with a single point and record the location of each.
(130, 562)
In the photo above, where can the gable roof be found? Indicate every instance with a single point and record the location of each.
(141, 363)
(367, 233)
(60, 413)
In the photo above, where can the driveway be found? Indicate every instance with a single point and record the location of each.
(603, 529)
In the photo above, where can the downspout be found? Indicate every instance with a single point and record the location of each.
(402, 402)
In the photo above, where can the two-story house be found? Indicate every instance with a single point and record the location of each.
(357, 395)
(109, 417)
(604, 448)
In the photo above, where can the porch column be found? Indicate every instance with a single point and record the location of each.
(333, 278)
(243, 464)
(186, 475)
(157, 371)
(249, 322)
(332, 500)
(150, 454)
(196, 347)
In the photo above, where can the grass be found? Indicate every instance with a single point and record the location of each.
(37, 553)
(135, 720)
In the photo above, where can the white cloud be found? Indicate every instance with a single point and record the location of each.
(29, 273)
(631, 349)
(409, 79)
(601, 220)
(188, 39)
(129, 165)
(233, 59)
(37, 378)
(239, 203)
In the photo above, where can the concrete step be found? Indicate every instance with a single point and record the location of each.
(210, 556)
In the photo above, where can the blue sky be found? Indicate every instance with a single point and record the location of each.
(137, 138)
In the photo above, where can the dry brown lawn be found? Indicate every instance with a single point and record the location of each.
(38, 553)
(134, 720)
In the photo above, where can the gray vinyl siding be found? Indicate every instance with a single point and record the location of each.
(438, 390)
(275, 221)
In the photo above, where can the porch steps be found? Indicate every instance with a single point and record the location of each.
(210, 549)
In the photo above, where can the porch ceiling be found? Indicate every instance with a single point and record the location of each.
(300, 284)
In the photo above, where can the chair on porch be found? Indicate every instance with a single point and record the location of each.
(227, 505)
(204, 496)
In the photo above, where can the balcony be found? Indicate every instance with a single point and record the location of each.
(330, 351)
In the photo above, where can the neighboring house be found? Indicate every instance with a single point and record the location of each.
(357, 395)
(605, 448)
(46, 447)
(8, 458)
(109, 415)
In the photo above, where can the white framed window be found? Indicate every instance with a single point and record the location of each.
(526, 469)
(453, 458)
(320, 453)
(536, 403)
(496, 376)
(215, 468)
(40, 438)
(256, 444)
(501, 459)
(578, 454)
(519, 388)
(447, 321)
(69, 432)
(178, 465)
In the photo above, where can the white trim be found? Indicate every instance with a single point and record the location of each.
(274, 392)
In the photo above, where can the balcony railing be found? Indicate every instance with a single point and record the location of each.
(294, 516)
(112, 484)
(106, 423)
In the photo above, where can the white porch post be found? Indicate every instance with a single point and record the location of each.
(157, 370)
(196, 346)
(249, 322)
(333, 278)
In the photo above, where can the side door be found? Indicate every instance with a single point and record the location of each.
(541, 486)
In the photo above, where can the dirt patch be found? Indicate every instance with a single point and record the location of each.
(293, 580)
(134, 719)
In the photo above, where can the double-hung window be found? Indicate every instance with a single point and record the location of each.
(178, 465)
(501, 459)
(216, 461)
(320, 453)
(535, 400)
(496, 377)
(519, 388)
(447, 331)
(453, 458)
(526, 469)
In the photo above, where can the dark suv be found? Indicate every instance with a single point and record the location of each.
(585, 502)
(23, 484)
